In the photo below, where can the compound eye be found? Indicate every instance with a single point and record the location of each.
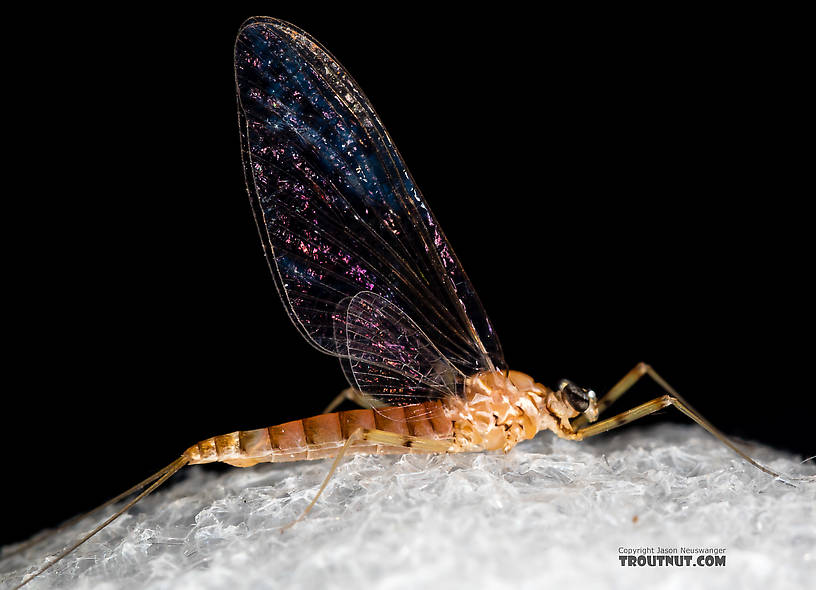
(576, 397)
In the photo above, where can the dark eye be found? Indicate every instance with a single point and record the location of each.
(576, 397)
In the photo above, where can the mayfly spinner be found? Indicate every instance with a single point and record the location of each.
(367, 275)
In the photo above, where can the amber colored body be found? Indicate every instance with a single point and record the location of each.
(322, 436)
(497, 411)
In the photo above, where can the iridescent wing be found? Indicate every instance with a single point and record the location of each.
(388, 356)
(340, 216)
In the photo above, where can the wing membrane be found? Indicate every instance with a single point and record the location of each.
(389, 357)
(337, 210)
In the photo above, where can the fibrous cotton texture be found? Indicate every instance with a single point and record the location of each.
(550, 513)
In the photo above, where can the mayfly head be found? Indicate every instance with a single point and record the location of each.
(581, 400)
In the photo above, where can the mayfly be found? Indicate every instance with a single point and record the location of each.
(367, 275)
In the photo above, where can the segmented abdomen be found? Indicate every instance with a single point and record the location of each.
(323, 436)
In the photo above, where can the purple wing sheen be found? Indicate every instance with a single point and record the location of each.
(337, 210)
(387, 354)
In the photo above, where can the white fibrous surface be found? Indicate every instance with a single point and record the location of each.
(549, 514)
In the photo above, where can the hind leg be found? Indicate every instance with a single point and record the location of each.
(380, 437)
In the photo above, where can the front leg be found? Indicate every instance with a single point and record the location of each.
(672, 399)
(622, 387)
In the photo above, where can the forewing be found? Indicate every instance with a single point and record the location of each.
(336, 209)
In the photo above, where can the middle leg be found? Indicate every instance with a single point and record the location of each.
(358, 397)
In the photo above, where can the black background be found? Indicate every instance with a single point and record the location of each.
(619, 188)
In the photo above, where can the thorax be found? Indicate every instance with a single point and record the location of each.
(497, 411)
